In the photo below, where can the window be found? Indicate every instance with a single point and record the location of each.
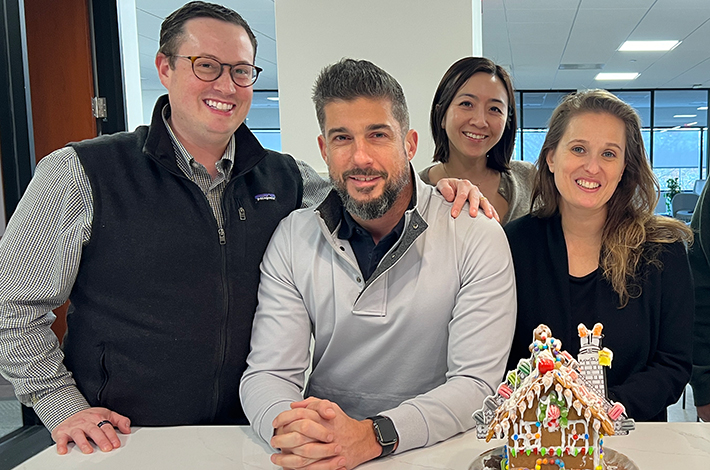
(640, 101)
(674, 129)
(10, 410)
(263, 118)
(537, 108)
(678, 135)
(676, 154)
(533, 140)
(516, 148)
(706, 151)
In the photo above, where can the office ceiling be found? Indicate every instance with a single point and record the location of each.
(545, 44)
(258, 13)
(537, 39)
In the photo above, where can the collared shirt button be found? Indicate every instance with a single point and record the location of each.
(358, 279)
(415, 226)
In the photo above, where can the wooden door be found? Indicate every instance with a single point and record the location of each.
(61, 81)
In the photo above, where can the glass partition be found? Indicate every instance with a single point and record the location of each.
(674, 129)
(516, 149)
(704, 148)
(263, 118)
(640, 101)
(537, 107)
(680, 121)
(676, 154)
(10, 409)
(532, 143)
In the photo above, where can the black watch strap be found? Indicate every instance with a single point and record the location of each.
(385, 433)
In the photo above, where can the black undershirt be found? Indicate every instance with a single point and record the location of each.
(583, 295)
(368, 254)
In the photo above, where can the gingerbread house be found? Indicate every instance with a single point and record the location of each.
(552, 409)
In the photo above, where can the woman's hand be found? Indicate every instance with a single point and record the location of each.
(459, 191)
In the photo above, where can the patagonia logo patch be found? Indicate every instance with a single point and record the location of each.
(265, 197)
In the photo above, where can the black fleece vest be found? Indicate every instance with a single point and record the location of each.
(163, 303)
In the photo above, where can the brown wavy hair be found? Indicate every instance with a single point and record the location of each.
(632, 233)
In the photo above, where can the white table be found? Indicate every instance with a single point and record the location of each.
(651, 446)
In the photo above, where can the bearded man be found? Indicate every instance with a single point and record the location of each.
(412, 312)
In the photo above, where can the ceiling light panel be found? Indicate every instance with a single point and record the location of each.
(616, 76)
(649, 46)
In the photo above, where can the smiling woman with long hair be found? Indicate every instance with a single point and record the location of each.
(473, 123)
(593, 251)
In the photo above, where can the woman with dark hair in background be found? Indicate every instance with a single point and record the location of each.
(473, 123)
(592, 250)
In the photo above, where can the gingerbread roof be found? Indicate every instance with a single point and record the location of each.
(566, 382)
(551, 376)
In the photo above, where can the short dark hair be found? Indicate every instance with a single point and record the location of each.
(173, 27)
(454, 78)
(350, 79)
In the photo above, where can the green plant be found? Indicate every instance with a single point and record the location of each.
(673, 189)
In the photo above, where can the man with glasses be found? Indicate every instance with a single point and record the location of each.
(156, 237)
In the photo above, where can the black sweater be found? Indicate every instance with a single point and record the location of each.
(650, 337)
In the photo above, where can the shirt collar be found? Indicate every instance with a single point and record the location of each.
(225, 163)
(348, 225)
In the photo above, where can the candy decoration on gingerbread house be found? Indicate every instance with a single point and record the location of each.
(552, 409)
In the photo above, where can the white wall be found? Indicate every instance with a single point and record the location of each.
(128, 33)
(414, 40)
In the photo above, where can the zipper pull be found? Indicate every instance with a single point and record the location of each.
(222, 237)
(242, 214)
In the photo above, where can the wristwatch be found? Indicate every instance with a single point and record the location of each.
(385, 433)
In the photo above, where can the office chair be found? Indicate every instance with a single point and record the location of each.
(698, 187)
(682, 206)
(661, 208)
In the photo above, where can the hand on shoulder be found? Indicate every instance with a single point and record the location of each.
(459, 191)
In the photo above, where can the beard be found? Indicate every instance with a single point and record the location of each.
(373, 208)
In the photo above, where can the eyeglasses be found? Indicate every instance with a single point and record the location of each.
(209, 70)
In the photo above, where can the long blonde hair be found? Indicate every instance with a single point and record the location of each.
(631, 233)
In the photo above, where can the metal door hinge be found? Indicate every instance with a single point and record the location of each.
(98, 106)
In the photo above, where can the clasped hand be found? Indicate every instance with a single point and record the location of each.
(316, 434)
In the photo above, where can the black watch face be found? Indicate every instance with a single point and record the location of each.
(385, 432)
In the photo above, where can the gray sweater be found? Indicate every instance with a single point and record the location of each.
(515, 187)
(423, 341)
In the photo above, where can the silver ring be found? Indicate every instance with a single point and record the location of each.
(104, 422)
